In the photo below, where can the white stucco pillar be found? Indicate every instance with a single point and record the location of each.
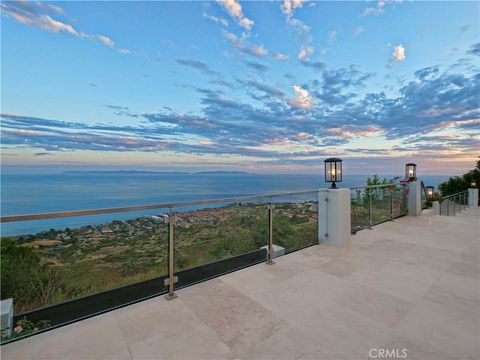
(334, 226)
(6, 322)
(414, 198)
(436, 207)
(472, 197)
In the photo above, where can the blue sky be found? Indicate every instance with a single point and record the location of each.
(256, 86)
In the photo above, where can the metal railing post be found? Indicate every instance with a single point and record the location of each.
(448, 207)
(172, 279)
(370, 214)
(270, 234)
(454, 204)
(391, 205)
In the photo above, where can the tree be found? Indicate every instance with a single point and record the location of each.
(24, 277)
(458, 184)
(375, 180)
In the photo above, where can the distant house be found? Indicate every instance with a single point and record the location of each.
(105, 230)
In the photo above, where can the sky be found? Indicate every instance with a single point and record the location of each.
(258, 86)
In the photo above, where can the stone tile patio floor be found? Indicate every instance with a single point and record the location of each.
(409, 284)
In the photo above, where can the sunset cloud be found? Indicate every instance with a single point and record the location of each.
(243, 46)
(39, 14)
(216, 19)
(234, 9)
(398, 53)
(302, 100)
(305, 52)
(36, 14)
(289, 6)
(207, 83)
(281, 57)
(380, 7)
(105, 40)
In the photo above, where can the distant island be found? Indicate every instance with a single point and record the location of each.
(140, 172)
(220, 172)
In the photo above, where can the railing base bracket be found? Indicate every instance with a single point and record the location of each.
(170, 297)
(270, 262)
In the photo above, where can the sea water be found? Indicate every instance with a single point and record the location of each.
(30, 194)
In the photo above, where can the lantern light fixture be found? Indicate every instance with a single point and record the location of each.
(411, 172)
(430, 192)
(333, 171)
(473, 184)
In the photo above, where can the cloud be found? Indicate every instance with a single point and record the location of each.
(358, 30)
(125, 51)
(195, 64)
(234, 9)
(268, 89)
(40, 15)
(376, 10)
(36, 14)
(427, 72)
(398, 53)
(257, 66)
(332, 36)
(465, 28)
(302, 100)
(214, 76)
(474, 49)
(317, 65)
(105, 40)
(305, 52)
(218, 20)
(352, 131)
(281, 57)
(289, 6)
(433, 109)
(380, 7)
(302, 31)
(336, 84)
(243, 46)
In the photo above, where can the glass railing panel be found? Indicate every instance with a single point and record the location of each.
(217, 232)
(381, 204)
(447, 207)
(424, 199)
(359, 209)
(400, 200)
(295, 221)
(50, 267)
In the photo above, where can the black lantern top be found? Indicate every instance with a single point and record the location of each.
(430, 190)
(333, 171)
(411, 172)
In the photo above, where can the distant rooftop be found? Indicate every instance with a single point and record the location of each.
(408, 284)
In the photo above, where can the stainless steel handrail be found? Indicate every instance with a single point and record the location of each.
(374, 186)
(454, 197)
(458, 193)
(73, 213)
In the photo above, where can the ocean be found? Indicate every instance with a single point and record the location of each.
(30, 194)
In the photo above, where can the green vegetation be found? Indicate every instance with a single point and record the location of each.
(381, 201)
(458, 184)
(57, 265)
(375, 180)
(24, 277)
(25, 327)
